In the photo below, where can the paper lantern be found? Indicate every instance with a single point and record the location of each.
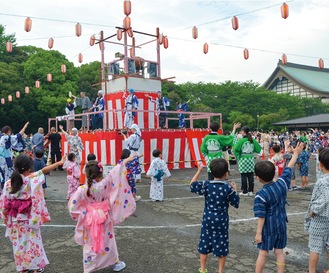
(160, 39)
(27, 89)
(78, 29)
(63, 68)
(130, 32)
(37, 84)
(119, 34)
(284, 11)
(80, 58)
(165, 42)
(18, 94)
(321, 63)
(10, 98)
(50, 43)
(284, 59)
(127, 7)
(92, 40)
(2, 101)
(28, 24)
(195, 32)
(246, 54)
(205, 48)
(9, 46)
(49, 77)
(235, 23)
(127, 23)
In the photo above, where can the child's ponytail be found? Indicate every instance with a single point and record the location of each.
(93, 171)
(16, 182)
(22, 163)
(246, 129)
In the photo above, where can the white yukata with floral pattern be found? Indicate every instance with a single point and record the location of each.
(24, 229)
(156, 190)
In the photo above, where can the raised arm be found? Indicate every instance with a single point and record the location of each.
(63, 131)
(299, 148)
(196, 176)
(51, 167)
(24, 128)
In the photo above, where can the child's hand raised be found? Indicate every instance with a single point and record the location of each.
(233, 186)
(200, 166)
(299, 148)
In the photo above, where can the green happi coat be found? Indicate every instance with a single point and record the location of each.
(244, 153)
(212, 146)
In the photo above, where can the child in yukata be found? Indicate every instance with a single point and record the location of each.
(278, 160)
(270, 208)
(97, 207)
(73, 174)
(287, 157)
(157, 171)
(302, 161)
(39, 164)
(317, 216)
(23, 209)
(219, 195)
(133, 168)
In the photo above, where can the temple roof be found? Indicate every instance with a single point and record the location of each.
(309, 78)
(310, 120)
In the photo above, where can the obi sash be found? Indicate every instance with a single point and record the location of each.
(15, 206)
(96, 216)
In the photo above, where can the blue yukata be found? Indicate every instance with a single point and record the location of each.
(215, 222)
(182, 107)
(270, 203)
(133, 168)
(303, 159)
(39, 164)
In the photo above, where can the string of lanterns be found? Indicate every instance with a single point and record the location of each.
(162, 40)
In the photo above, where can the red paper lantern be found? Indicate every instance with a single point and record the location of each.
(195, 32)
(80, 58)
(205, 48)
(37, 84)
(321, 63)
(246, 54)
(127, 23)
(119, 34)
(27, 89)
(284, 59)
(284, 11)
(130, 32)
(165, 42)
(2, 101)
(63, 68)
(127, 7)
(78, 29)
(9, 46)
(10, 98)
(18, 94)
(92, 40)
(28, 24)
(49, 77)
(50, 43)
(235, 23)
(160, 39)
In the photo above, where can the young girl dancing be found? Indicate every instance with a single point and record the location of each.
(97, 206)
(23, 209)
(73, 174)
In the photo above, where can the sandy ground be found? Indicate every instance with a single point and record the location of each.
(163, 236)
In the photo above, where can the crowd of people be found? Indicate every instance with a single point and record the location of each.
(104, 201)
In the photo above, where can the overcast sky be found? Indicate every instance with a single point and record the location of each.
(303, 36)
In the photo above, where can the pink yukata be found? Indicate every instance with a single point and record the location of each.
(73, 175)
(23, 213)
(110, 203)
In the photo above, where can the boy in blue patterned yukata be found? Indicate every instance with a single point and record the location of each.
(270, 208)
(219, 194)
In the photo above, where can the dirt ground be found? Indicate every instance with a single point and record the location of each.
(163, 236)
